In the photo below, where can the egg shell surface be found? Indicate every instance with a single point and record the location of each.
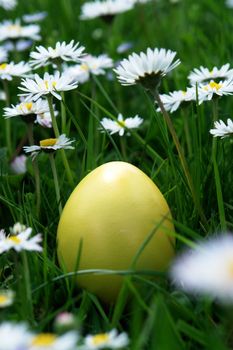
(113, 210)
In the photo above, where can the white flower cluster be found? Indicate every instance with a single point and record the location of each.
(99, 8)
(19, 336)
(19, 239)
(207, 269)
(205, 85)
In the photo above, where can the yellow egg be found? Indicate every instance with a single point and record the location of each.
(113, 210)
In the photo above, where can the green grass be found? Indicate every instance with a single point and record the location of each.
(151, 311)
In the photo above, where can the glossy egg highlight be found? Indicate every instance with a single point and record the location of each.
(112, 211)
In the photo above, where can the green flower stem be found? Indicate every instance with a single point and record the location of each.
(56, 183)
(8, 120)
(27, 282)
(57, 134)
(221, 210)
(35, 169)
(187, 133)
(63, 114)
(182, 158)
(123, 147)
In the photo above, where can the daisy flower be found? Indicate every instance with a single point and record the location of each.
(44, 119)
(105, 8)
(50, 341)
(124, 47)
(18, 165)
(65, 320)
(10, 70)
(208, 269)
(121, 124)
(221, 129)
(95, 65)
(20, 241)
(3, 54)
(17, 228)
(25, 109)
(202, 74)
(2, 95)
(174, 99)
(50, 145)
(14, 30)
(8, 4)
(19, 45)
(61, 52)
(146, 68)
(14, 336)
(6, 298)
(49, 84)
(229, 3)
(208, 91)
(34, 17)
(106, 340)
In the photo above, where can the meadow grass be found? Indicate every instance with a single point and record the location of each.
(156, 315)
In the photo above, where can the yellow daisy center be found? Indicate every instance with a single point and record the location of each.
(54, 83)
(230, 268)
(84, 67)
(28, 105)
(184, 93)
(48, 142)
(3, 66)
(100, 338)
(121, 123)
(213, 85)
(44, 339)
(14, 27)
(3, 299)
(14, 239)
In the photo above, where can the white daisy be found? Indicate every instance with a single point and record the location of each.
(14, 30)
(14, 336)
(65, 319)
(95, 65)
(208, 91)
(104, 8)
(124, 47)
(44, 119)
(10, 70)
(3, 54)
(6, 298)
(221, 129)
(26, 109)
(146, 68)
(50, 341)
(18, 164)
(17, 228)
(19, 45)
(49, 84)
(8, 4)
(229, 3)
(120, 125)
(49, 145)
(106, 340)
(20, 242)
(34, 17)
(61, 52)
(208, 269)
(139, 1)
(174, 99)
(2, 95)
(202, 74)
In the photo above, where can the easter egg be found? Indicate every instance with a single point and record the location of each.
(112, 211)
